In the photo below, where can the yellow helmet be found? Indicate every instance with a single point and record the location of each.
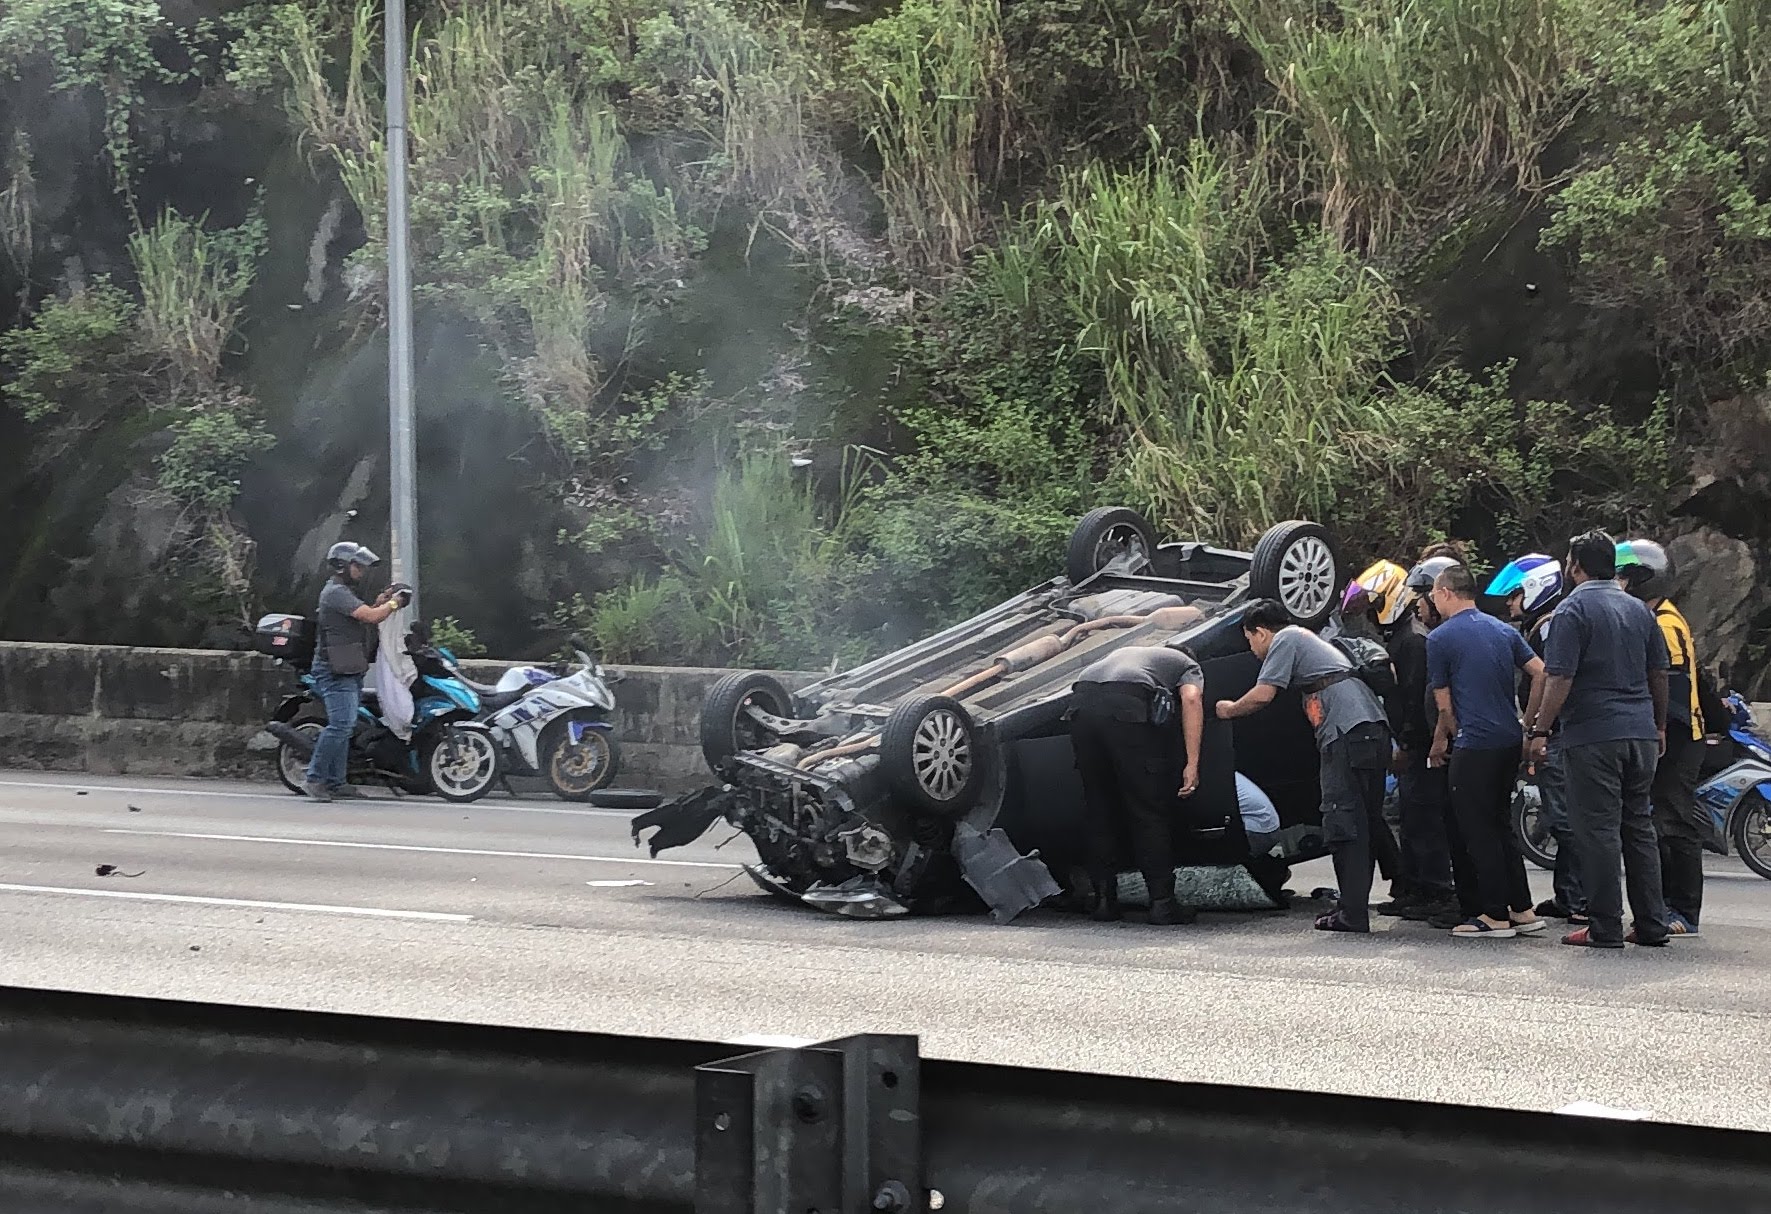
(1386, 585)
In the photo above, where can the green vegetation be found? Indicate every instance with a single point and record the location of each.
(818, 328)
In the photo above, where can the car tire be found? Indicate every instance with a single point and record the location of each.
(930, 754)
(1104, 534)
(1296, 565)
(724, 731)
(1750, 840)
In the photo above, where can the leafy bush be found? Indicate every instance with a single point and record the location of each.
(451, 634)
(71, 355)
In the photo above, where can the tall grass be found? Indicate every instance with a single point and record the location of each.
(193, 284)
(933, 74)
(1411, 108)
(1247, 386)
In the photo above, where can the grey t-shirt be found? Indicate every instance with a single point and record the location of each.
(1146, 666)
(1300, 657)
(337, 602)
(1606, 642)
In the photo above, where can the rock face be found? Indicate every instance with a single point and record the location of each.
(1715, 583)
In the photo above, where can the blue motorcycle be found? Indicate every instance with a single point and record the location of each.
(448, 753)
(1736, 798)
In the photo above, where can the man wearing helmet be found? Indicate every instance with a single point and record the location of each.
(1422, 887)
(1645, 570)
(1532, 585)
(1433, 784)
(343, 648)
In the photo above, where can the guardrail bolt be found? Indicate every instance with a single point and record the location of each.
(808, 1106)
(892, 1198)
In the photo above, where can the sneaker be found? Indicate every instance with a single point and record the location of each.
(317, 791)
(1395, 908)
(1444, 921)
(1425, 912)
(1677, 925)
(1551, 909)
(346, 792)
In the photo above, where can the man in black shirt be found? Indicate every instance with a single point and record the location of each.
(1133, 761)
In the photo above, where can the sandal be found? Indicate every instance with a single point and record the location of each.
(1584, 939)
(1526, 927)
(1471, 929)
(1332, 922)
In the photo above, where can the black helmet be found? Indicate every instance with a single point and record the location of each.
(344, 554)
(1423, 575)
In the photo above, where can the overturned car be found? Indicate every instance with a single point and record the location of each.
(940, 777)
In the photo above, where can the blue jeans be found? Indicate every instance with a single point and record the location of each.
(341, 694)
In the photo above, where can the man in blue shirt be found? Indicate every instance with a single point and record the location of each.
(1607, 685)
(1472, 662)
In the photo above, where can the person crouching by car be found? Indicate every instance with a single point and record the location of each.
(1137, 718)
(344, 647)
(1352, 739)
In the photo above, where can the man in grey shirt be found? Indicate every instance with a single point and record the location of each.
(1607, 663)
(342, 644)
(1352, 740)
(1133, 761)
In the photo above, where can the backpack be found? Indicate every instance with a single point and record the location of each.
(1371, 663)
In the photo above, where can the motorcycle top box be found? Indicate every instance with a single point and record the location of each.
(288, 638)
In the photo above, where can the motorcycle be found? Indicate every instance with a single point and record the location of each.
(553, 724)
(1735, 796)
(448, 753)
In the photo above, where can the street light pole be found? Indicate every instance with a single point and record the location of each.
(402, 459)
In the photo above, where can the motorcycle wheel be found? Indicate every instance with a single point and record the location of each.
(1532, 829)
(574, 770)
(291, 764)
(461, 764)
(1750, 837)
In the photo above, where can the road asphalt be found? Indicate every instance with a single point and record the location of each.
(533, 912)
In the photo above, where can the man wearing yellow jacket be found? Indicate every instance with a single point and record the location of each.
(1645, 570)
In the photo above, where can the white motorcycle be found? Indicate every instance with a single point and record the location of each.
(556, 725)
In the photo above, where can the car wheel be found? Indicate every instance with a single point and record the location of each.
(1104, 536)
(930, 755)
(1295, 564)
(726, 728)
(574, 770)
(1531, 827)
(461, 763)
(1750, 837)
(292, 763)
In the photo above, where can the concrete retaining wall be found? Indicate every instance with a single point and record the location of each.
(186, 712)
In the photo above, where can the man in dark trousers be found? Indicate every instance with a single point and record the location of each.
(344, 647)
(1607, 686)
(1352, 742)
(1137, 719)
(1472, 662)
(1645, 570)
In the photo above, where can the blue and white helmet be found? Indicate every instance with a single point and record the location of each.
(1535, 577)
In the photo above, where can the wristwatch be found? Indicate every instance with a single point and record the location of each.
(1539, 733)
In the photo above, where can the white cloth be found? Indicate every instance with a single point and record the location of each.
(394, 672)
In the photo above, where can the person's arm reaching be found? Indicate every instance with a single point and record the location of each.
(1192, 733)
(1258, 697)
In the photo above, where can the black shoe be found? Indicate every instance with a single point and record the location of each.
(1549, 908)
(1395, 908)
(1421, 912)
(1444, 921)
(1104, 910)
(1166, 912)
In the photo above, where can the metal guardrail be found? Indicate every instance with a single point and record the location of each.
(130, 1106)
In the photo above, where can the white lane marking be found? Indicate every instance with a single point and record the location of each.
(615, 884)
(1587, 1108)
(245, 903)
(441, 851)
(142, 791)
